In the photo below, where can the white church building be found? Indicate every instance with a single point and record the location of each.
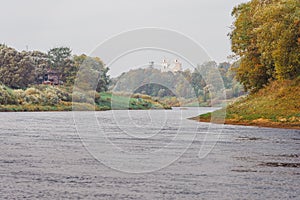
(174, 66)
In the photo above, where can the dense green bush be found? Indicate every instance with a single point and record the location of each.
(37, 95)
(6, 96)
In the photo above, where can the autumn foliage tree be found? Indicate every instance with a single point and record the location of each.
(266, 39)
(91, 73)
(17, 69)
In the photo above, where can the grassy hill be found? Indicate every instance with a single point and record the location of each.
(276, 105)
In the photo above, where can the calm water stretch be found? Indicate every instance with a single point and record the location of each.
(143, 155)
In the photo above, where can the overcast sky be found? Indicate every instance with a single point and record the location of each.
(82, 25)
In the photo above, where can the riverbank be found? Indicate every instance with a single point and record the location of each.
(259, 122)
(58, 98)
(277, 105)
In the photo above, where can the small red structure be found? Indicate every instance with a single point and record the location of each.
(51, 78)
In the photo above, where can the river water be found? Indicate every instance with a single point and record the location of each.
(143, 155)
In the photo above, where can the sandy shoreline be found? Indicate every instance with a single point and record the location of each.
(257, 123)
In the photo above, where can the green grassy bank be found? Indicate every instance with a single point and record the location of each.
(276, 105)
(54, 98)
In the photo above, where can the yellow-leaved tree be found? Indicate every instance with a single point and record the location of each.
(266, 39)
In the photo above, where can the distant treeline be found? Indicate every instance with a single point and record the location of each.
(18, 70)
(186, 84)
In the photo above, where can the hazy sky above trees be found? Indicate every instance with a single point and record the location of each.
(82, 25)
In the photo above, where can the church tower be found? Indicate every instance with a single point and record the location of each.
(165, 66)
